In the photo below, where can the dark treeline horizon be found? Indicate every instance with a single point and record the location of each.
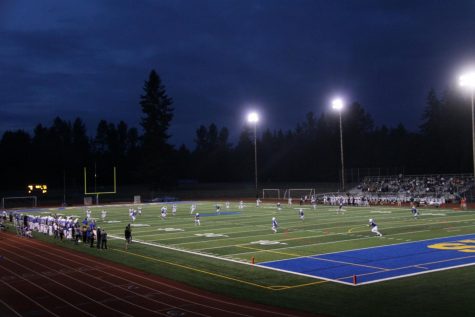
(56, 154)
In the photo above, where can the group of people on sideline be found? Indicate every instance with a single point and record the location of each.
(86, 232)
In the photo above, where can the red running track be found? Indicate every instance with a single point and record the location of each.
(40, 279)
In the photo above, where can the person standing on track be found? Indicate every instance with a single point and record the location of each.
(128, 236)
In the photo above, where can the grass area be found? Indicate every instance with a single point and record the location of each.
(216, 256)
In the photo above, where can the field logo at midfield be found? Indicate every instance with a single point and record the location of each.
(267, 242)
(210, 235)
(170, 229)
(467, 246)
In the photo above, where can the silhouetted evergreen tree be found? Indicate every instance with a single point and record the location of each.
(16, 159)
(308, 152)
(157, 153)
(212, 153)
(431, 131)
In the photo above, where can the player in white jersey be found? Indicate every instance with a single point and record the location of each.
(174, 209)
(227, 205)
(278, 206)
(218, 209)
(132, 214)
(374, 227)
(192, 208)
(241, 204)
(289, 201)
(88, 213)
(275, 225)
(139, 210)
(103, 215)
(258, 202)
(163, 212)
(301, 214)
(197, 219)
(340, 206)
(313, 200)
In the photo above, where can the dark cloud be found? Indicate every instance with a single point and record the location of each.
(219, 58)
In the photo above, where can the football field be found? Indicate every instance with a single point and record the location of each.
(236, 252)
(326, 244)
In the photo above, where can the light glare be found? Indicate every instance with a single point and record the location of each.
(467, 80)
(337, 104)
(253, 117)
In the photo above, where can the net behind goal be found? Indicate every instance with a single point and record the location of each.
(271, 193)
(299, 192)
(19, 202)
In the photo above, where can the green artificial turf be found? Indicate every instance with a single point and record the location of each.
(222, 262)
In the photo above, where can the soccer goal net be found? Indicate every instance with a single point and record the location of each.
(19, 202)
(271, 193)
(88, 201)
(299, 193)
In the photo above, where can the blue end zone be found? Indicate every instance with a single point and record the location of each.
(384, 263)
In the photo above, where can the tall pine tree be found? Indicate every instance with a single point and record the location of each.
(158, 113)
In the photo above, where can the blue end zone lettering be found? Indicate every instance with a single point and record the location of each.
(383, 263)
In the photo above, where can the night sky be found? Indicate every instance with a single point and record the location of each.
(218, 59)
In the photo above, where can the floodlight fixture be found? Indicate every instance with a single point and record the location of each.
(337, 104)
(467, 80)
(253, 117)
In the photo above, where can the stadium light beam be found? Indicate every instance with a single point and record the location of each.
(338, 105)
(468, 80)
(253, 118)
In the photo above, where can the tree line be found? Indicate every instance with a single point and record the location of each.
(56, 154)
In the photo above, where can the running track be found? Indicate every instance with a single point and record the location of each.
(39, 279)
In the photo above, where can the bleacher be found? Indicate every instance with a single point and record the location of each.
(424, 188)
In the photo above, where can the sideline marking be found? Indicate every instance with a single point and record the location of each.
(272, 287)
(193, 269)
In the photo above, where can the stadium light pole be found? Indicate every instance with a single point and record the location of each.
(337, 104)
(468, 80)
(253, 118)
